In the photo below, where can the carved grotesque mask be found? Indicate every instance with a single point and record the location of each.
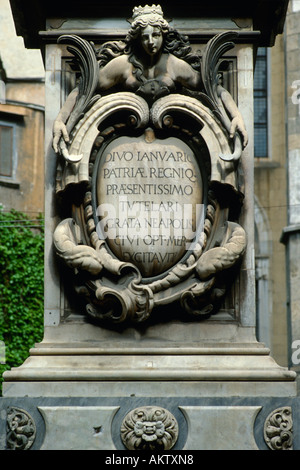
(149, 431)
(149, 428)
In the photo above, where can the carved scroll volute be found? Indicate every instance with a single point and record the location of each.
(278, 429)
(212, 133)
(117, 286)
(129, 298)
(135, 106)
(21, 429)
(86, 131)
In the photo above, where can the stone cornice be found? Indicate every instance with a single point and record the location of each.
(268, 16)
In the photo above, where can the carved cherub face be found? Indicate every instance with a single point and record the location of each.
(151, 39)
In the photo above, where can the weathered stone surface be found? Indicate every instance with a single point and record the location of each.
(193, 423)
(221, 427)
(162, 89)
(201, 371)
(149, 193)
(78, 427)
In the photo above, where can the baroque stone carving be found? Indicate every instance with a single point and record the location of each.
(21, 429)
(150, 167)
(278, 429)
(149, 428)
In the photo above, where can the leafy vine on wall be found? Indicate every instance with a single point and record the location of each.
(21, 286)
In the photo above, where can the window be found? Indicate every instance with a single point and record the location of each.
(261, 104)
(2, 91)
(6, 150)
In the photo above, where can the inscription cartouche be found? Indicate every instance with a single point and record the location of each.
(149, 195)
(149, 169)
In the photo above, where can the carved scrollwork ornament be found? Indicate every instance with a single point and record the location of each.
(149, 428)
(21, 429)
(104, 161)
(278, 429)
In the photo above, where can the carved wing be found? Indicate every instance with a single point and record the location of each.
(85, 58)
(214, 50)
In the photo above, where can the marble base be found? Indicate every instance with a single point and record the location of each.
(78, 392)
(203, 423)
(147, 370)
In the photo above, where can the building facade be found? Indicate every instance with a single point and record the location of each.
(277, 163)
(291, 232)
(21, 121)
(271, 198)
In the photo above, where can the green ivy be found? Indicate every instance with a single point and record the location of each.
(21, 286)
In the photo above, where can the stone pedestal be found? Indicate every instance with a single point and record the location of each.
(154, 362)
(89, 385)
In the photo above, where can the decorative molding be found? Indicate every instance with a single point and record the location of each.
(135, 299)
(278, 429)
(248, 37)
(21, 429)
(150, 117)
(149, 428)
(289, 231)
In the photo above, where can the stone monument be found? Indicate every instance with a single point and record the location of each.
(149, 270)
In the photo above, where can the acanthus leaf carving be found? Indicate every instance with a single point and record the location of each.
(278, 429)
(149, 428)
(21, 429)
